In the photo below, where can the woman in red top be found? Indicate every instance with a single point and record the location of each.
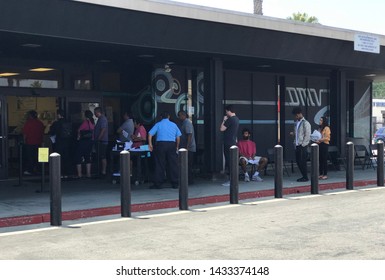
(33, 132)
(140, 134)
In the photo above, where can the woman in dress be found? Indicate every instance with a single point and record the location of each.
(85, 142)
(324, 148)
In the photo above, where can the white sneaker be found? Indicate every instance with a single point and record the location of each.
(226, 184)
(257, 178)
(247, 178)
(27, 173)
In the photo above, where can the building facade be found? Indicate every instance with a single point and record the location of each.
(146, 56)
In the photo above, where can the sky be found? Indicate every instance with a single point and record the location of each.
(366, 16)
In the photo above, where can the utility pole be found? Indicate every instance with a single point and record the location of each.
(258, 7)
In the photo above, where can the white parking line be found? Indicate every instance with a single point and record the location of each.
(28, 231)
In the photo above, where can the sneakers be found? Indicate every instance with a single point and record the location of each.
(257, 178)
(27, 173)
(247, 178)
(226, 184)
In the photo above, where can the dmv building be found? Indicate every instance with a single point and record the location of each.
(147, 56)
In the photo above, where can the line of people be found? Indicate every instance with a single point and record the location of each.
(247, 148)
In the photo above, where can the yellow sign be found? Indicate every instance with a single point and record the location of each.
(43, 154)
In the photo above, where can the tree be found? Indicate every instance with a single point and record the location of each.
(258, 7)
(304, 17)
(379, 90)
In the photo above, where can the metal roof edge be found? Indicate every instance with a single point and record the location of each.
(196, 12)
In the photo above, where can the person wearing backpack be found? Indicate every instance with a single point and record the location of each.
(61, 135)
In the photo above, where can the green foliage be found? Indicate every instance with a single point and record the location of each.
(379, 90)
(304, 17)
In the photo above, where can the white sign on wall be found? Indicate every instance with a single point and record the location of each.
(366, 43)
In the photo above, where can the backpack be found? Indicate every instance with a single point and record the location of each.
(65, 131)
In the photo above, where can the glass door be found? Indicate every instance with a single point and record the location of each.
(3, 139)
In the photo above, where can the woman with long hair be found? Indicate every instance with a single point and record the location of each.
(324, 148)
(85, 141)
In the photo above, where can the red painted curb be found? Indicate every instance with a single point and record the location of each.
(113, 210)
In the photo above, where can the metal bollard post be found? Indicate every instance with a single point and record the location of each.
(183, 179)
(125, 184)
(21, 163)
(380, 164)
(278, 171)
(55, 187)
(349, 165)
(314, 168)
(234, 175)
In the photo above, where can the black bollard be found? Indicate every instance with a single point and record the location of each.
(55, 187)
(314, 168)
(125, 184)
(380, 164)
(21, 145)
(183, 179)
(349, 165)
(278, 171)
(234, 175)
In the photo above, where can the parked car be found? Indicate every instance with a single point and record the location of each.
(379, 135)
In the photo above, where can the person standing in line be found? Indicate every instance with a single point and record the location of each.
(84, 149)
(61, 131)
(229, 127)
(167, 144)
(187, 141)
(302, 131)
(126, 130)
(101, 138)
(33, 132)
(324, 148)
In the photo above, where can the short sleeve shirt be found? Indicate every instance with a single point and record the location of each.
(187, 128)
(128, 127)
(101, 123)
(230, 134)
(165, 130)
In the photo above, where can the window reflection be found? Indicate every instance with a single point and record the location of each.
(30, 78)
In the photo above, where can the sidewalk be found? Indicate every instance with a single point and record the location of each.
(22, 205)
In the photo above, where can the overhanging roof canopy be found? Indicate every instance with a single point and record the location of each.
(164, 31)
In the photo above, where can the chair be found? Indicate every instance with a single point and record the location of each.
(270, 157)
(335, 159)
(362, 156)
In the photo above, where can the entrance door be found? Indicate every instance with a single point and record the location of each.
(3, 139)
(77, 106)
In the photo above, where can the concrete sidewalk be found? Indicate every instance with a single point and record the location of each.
(22, 205)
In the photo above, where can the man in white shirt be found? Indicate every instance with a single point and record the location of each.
(302, 131)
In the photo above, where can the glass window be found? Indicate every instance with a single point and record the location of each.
(37, 77)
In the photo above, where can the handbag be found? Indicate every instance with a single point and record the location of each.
(86, 134)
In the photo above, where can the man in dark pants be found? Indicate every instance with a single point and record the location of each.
(166, 149)
(302, 131)
(229, 127)
(61, 130)
(188, 141)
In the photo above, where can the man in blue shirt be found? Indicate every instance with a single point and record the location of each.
(167, 145)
